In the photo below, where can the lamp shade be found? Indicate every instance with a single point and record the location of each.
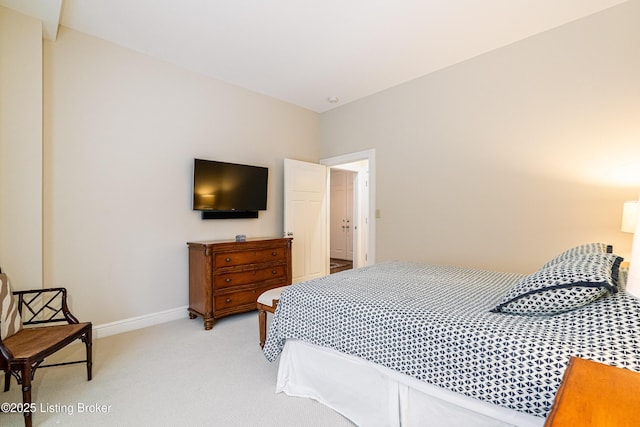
(630, 216)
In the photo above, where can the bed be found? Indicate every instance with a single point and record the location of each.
(402, 343)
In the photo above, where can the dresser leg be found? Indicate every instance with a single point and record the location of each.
(208, 323)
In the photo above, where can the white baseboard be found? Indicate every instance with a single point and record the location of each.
(133, 323)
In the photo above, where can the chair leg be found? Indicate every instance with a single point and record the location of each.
(262, 326)
(26, 394)
(88, 342)
(7, 380)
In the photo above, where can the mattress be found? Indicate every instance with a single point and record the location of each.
(433, 323)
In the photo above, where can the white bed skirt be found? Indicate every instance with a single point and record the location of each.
(372, 395)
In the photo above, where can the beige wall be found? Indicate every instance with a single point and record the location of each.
(506, 159)
(21, 149)
(121, 132)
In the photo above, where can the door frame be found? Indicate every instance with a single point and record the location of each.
(369, 228)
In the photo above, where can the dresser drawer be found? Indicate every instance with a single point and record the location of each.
(243, 277)
(248, 257)
(236, 299)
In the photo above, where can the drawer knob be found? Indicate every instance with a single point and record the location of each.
(274, 271)
(228, 280)
(228, 300)
(227, 259)
(274, 253)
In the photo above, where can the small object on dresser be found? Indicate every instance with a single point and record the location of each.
(241, 238)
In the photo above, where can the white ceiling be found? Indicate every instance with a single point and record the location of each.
(306, 51)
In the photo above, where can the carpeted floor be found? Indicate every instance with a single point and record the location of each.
(174, 374)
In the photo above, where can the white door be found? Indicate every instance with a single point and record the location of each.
(305, 218)
(341, 217)
(338, 217)
(350, 216)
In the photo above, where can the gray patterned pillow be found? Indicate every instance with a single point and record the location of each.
(563, 286)
(587, 248)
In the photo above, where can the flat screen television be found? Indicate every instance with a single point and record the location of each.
(229, 190)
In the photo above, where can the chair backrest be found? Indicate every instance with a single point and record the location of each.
(10, 321)
(44, 306)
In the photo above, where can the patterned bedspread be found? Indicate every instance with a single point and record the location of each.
(433, 323)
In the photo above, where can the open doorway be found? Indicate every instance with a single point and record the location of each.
(352, 204)
(342, 215)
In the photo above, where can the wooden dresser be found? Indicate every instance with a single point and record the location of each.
(226, 277)
(596, 395)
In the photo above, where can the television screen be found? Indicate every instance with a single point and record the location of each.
(220, 186)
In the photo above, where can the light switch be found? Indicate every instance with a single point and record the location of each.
(377, 213)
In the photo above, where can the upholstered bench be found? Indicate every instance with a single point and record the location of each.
(267, 301)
